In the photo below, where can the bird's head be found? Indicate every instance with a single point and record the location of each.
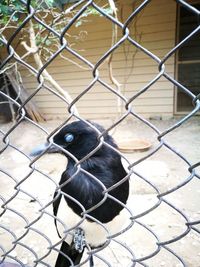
(78, 138)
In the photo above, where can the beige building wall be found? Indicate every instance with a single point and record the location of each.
(154, 28)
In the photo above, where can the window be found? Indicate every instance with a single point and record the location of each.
(188, 58)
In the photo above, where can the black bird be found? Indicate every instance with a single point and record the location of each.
(84, 186)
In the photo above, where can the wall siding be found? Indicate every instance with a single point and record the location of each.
(132, 68)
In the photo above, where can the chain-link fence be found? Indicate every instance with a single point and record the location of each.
(161, 226)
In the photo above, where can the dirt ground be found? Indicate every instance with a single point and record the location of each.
(164, 169)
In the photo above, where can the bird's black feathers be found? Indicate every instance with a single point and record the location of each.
(86, 139)
(105, 165)
(71, 253)
(97, 174)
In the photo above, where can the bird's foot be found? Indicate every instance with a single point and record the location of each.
(79, 240)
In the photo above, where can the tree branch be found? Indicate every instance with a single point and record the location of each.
(34, 50)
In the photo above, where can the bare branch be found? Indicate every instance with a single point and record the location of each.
(8, 22)
(45, 73)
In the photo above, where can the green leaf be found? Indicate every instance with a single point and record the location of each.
(48, 42)
(50, 3)
(5, 10)
(78, 23)
(16, 17)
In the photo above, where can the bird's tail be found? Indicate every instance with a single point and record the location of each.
(66, 253)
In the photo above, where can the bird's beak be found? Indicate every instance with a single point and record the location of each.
(46, 147)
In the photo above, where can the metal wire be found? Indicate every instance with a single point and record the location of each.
(30, 227)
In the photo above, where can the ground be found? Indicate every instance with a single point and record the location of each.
(28, 219)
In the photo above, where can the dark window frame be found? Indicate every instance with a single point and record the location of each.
(179, 62)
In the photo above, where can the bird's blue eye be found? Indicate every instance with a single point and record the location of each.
(69, 137)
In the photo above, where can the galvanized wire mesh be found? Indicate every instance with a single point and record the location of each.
(43, 247)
